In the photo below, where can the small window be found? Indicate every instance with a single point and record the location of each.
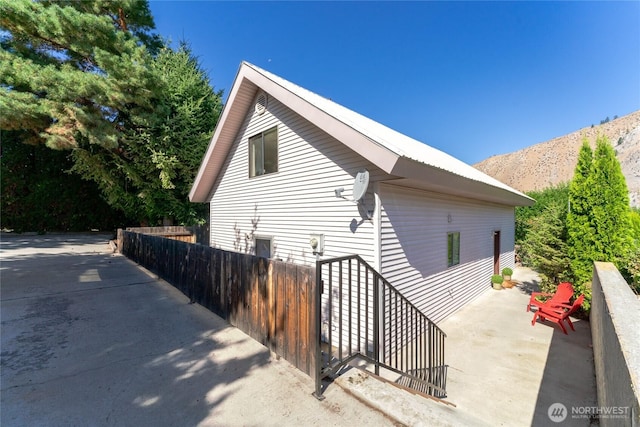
(263, 153)
(263, 247)
(453, 249)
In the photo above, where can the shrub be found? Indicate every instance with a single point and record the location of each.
(507, 271)
(496, 278)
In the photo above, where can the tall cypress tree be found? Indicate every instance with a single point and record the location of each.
(610, 201)
(39, 194)
(598, 224)
(580, 233)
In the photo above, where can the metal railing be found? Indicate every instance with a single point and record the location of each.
(360, 315)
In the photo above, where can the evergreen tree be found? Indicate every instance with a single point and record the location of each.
(71, 71)
(610, 204)
(151, 173)
(38, 194)
(599, 226)
(546, 245)
(633, 264)
(524, 214)
(91, 76)
(580, 234)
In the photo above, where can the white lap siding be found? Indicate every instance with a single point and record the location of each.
(414, 227)
(296, 201)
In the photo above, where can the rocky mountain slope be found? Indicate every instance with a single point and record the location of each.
(549, 163)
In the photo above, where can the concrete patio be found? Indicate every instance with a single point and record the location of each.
(502, 371)
(506, 372)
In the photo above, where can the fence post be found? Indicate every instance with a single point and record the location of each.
(119, 240)
(317, 306)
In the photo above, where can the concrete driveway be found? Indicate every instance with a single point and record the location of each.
(90, 339)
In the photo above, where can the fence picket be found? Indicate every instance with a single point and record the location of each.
(280, 332)
(304, 310)
(292, 308)
(271, 305)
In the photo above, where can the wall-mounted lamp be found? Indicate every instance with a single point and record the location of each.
(449, 218)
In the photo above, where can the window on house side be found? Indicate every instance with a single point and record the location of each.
(263, 247)
(263, 153)
(453, 249)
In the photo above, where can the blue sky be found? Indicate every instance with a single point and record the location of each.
(473, 79)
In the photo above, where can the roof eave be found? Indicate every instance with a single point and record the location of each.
(209, 169)
(442, 181)
(249, 80)
(233, 115)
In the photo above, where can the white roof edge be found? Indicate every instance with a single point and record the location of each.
(395, 142)
(380, 144)
(196, 192)
(298, 99)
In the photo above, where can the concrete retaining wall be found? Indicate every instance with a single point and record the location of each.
(615, 332)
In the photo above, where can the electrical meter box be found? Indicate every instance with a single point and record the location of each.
(316, 241)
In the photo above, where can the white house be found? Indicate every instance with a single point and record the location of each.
(280, 171)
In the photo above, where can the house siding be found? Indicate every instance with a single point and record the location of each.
(296, 201)
(413, 235)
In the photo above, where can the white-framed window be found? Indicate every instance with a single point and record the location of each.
(263, 153)
(263, 246)
(453, 248)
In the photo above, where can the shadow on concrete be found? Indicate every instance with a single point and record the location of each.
(569, 376)
(92, 338)
(188, 385)
(569, 373)
(528, 286)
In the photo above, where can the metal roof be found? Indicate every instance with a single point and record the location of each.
(412, 162)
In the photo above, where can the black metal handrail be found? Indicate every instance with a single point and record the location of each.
(360, 314)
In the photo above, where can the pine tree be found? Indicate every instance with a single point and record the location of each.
(69, 71)
(91, 77)
(151, 174)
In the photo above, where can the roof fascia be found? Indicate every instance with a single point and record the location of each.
(443, 181)
(377, 154)
(220, 143)
(226, 131)
(248, 80)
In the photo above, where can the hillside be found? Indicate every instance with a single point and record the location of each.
(552, 162)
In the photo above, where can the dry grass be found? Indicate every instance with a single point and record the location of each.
(550, 163)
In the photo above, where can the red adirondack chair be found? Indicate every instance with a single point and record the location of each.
(562, 296)
(558, 313)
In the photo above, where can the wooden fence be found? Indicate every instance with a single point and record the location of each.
(271, 301)
(191, 234)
